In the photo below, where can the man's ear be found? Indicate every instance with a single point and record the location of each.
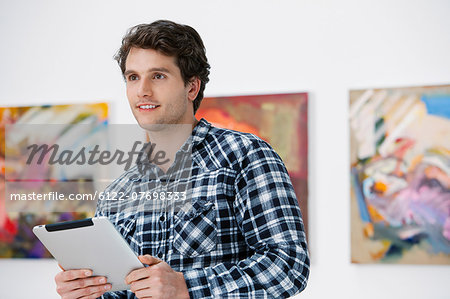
(194, 88)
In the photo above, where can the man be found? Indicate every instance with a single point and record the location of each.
(243, 235)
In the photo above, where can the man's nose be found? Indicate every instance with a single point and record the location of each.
(145, 88)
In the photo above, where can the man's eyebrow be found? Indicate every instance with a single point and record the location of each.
(154, 69)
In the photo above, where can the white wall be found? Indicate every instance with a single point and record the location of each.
(61, 51)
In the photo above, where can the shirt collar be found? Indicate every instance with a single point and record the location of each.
(198, 135)
(200, 131)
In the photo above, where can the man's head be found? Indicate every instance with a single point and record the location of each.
(171, 39)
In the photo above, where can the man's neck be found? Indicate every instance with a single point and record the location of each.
(167, 141)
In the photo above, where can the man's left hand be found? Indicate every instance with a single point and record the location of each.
(157, 281)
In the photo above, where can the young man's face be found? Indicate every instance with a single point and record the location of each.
(156, 91)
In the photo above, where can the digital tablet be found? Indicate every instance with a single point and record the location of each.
(91, 243)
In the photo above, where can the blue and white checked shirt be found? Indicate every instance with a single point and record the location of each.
(243, 236)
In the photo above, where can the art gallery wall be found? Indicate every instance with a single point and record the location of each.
(61, 52)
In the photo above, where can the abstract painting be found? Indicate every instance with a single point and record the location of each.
(46, 125)
(279, 119)
(400, 175)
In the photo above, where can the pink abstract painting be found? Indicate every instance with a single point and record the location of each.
(400, 175)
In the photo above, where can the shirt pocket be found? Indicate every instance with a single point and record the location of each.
(195, 233)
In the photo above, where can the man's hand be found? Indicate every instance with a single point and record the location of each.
(80, 284)
(157, 281)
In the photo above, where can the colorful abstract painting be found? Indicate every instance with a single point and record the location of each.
(279, 119)
(44, 124)
(400, 175)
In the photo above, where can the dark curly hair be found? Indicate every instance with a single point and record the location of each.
(171, 39)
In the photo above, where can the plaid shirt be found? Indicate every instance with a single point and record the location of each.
(243, 236)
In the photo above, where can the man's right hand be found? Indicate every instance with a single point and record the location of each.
(80, 284)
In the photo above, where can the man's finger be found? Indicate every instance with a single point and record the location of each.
(86, 282)
(75, 274)
(136, 275)
(149, 260)
(139, 285)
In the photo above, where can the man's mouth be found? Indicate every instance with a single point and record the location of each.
(147, 107)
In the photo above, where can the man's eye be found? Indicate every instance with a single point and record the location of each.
(132, 77)
(159, 76)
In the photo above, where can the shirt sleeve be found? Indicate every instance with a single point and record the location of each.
(269, 217)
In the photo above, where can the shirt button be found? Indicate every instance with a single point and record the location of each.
(162, 218)
(134, 178)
